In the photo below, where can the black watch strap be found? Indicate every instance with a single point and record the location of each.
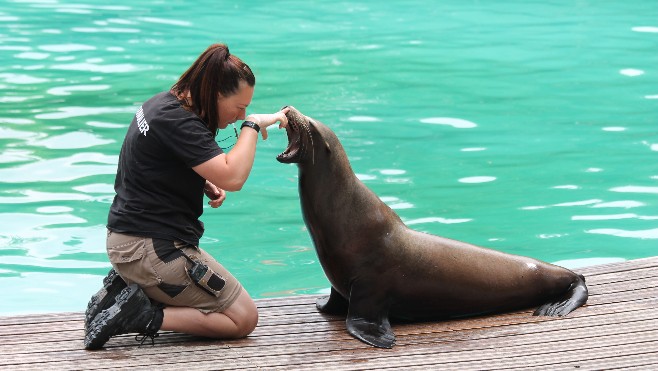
(250, 124)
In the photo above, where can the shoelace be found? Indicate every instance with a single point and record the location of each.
(141, 338)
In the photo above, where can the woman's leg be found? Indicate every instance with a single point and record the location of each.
(237, 321)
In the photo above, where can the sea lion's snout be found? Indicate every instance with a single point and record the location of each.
(293, 129)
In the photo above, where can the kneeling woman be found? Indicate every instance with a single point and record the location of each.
(161, 279)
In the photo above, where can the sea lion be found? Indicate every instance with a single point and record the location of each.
(379, 268)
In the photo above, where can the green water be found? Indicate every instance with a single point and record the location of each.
(531, 128)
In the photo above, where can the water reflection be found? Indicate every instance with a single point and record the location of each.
(477, 179)
(635, 189)
(543, 109)
(67, 90)
(66, 48)
(586, 262)
(436, 220)
(450, 121)
(643, 234)
(26, 196)
(70, 112)
(631, 72)
(66, 169)
(72, 140)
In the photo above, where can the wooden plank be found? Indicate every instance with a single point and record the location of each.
(616, 329)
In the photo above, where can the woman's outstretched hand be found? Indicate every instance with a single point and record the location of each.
(263, 120)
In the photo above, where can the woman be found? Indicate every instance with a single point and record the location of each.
(161, 279)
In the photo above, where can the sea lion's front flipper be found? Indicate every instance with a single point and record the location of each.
(335, 303)
(575, 296)
(367, 320)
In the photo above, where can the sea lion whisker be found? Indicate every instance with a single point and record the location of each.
(308, 131)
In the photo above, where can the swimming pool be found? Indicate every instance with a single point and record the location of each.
(531, 128)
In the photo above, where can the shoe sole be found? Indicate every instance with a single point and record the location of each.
(112, 285)
(101, 328)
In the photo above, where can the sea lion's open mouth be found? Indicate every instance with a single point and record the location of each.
(295, 149)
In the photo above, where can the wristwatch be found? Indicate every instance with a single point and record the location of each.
(250, 124)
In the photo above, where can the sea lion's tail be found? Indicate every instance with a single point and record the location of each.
(575, 297)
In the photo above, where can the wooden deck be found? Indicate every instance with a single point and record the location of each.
(617, 329)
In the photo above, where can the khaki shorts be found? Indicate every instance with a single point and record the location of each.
(159, 267)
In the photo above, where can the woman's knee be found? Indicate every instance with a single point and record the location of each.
(247, 324)
(244, 313)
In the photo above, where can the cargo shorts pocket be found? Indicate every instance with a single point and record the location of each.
(130, 257)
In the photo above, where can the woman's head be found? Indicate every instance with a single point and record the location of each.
(220, 86)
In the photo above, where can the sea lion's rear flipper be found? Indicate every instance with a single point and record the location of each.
(367, 319)
(575, 296)
(335, 303)
(378, 334)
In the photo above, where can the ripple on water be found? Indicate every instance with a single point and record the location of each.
(579, 203)
(450, 121)
(477, 179)
(604, 217)
(586, 262)
(395, 203)
(635, 189)
(68, 112)
(365, 177)
(30, 196)
(66, 48)
(71, 140)
(66, 90)
(17, 99)
(15, 121)
(392, 171)
(96, 188)
(16, 155)
(401, 205)
(649, 29)
(104, 30)
(107, 125)
(363, 119)
(641, 234)
(54, 209)
(60, 291)
(51, 263)
(173, 22)
(76, 166)
(593, 203)
(436, 220)
(32, 55)
(631, 72)
(8, 133)
(92, 67)
(29, 224)
(625, 204)
(22, 79)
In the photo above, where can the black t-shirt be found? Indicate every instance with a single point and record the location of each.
(157, 192)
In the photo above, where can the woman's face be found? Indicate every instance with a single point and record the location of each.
(233, 107)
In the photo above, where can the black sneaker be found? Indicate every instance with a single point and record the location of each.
(104, 298)
(132, 312)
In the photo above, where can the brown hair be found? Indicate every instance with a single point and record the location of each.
(215, 72)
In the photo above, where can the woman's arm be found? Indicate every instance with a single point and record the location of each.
(230, 171)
